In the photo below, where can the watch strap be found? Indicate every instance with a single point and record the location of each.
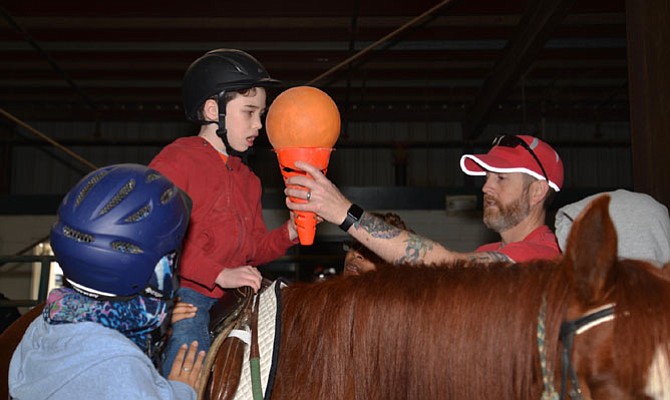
(354, 214)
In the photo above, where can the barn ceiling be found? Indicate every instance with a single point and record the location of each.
(476, 61)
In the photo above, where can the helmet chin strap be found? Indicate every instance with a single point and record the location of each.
(222, 132)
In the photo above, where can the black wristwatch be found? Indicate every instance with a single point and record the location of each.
(354, 214)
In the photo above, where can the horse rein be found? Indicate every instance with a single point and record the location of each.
(567, 333)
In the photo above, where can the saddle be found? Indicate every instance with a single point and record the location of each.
(222, 370)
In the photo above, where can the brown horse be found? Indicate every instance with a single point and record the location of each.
(484, 331)
(481, 331)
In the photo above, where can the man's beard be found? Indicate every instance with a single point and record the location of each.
(506, 217)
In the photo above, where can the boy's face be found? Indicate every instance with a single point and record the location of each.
(243, 118)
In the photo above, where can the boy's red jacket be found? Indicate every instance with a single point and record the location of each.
(226, 228)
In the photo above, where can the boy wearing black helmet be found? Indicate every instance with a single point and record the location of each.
(224, 92)
(117, 239)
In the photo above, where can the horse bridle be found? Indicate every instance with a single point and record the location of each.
(569, 329)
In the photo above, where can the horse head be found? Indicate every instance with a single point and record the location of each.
(616, 343)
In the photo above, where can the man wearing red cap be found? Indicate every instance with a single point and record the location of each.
(523, 173)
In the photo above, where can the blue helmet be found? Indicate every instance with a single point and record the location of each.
(119, 231)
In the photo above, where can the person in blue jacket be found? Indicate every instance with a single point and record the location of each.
(117, 238)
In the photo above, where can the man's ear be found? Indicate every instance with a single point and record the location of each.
(210, 110)
(538, 191)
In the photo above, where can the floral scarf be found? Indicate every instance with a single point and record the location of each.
(135, 318)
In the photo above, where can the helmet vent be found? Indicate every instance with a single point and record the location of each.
(152, 177)
(168, 195)
(139, 214)
(119, 196)
(76, 235)
(89, 185)
(125, 247)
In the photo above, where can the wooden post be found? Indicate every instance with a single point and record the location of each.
(648, 37)
(6, 148)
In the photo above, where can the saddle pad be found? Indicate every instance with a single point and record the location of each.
(268, 320)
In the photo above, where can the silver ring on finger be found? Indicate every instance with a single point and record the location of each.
(186, 369)
(309, 195)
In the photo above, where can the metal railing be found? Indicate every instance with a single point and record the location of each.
(45, 271)
(289, 266)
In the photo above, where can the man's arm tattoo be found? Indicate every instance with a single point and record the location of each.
(377, 227)
(415, 251)
(416, 247)
(489, 256)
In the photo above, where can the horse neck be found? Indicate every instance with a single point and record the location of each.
(413, 329)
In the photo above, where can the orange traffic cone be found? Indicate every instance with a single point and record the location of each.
(303, 124)
(319, 157)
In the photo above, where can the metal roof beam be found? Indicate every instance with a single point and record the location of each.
(538, 22)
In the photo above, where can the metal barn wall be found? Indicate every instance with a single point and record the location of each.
(595, 155)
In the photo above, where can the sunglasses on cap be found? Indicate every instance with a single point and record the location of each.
(514, 141)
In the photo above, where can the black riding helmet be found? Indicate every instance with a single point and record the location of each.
(215, 73)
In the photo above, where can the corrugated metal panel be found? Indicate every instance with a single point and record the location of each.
(45, 170)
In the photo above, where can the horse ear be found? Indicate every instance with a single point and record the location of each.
(591, 251)
(665, 271)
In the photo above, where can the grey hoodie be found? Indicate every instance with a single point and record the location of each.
(85, 361)
(642, 224)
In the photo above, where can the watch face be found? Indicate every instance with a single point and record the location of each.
(355, 211)
(354, 214)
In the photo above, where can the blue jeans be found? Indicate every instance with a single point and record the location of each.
(189, 329)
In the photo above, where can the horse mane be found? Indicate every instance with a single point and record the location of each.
(407, 332)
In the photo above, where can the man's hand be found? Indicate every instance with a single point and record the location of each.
(325, 199)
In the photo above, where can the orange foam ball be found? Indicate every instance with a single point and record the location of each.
(303, 116)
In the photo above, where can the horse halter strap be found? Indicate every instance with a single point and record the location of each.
(568, 331)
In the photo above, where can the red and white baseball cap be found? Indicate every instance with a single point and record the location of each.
(518, 153)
